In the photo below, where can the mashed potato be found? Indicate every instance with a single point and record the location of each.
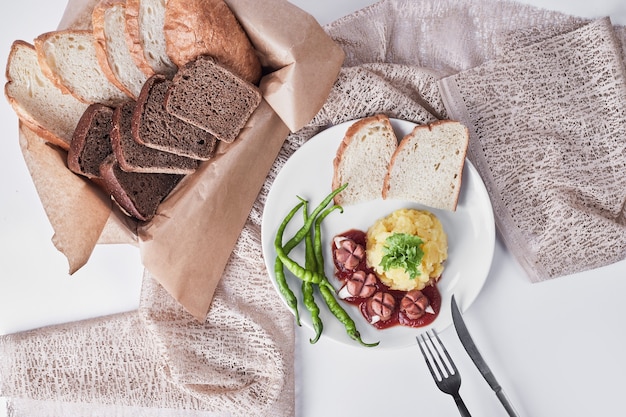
(413, 222)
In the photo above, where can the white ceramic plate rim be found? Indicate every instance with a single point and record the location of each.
(470, 229)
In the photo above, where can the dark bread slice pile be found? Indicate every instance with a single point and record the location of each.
(138, 194)
(154, 127)
(138, 151)
(212, 98)
(134, 157)
(91, 155)
(91, 143)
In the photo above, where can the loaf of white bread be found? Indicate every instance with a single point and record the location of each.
(79, 78)
(425, 167)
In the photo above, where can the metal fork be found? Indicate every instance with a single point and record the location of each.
(444, 372)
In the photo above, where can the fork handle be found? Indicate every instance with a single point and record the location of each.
(461, 406)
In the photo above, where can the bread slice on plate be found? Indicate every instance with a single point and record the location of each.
(38, 102)
(91, 143)
(118, 65)
(362, 159)
(209, 27)
(427, 166)
(136, 193)
(145, 36)
(154, 127)
(212, 98)
(134, 157)
(68, 58)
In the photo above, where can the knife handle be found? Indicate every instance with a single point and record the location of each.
(506, 403)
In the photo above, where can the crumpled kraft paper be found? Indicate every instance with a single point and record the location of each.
(186, 246)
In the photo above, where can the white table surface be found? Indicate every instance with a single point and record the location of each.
(556, 347)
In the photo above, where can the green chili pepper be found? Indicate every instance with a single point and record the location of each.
(342, 316)
(309, 302)
(313, 272)
(306, 227)
(318, 250)
(309, 254)
(304, 274)
(279, 271)
(299, 271)
(308, 288)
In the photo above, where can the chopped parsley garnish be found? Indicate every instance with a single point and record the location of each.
(402, 250)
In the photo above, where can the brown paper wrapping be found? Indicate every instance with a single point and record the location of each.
(188, 243)
(63, 196)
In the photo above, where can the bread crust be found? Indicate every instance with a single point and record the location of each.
(28, 121)
(116, 95)
(133, 38)
(349, 136)
(25, 117)
(41, 131)
(80, 137)
(43, 62)
(202, 143)
(115, 189)
(345, 143)
(137, 40)
(209, 27)
(405, 143)
(195, 97)
(122, 186)
(98, 22)
(145, 159)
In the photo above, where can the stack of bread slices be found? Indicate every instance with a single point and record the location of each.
(425, 166)
(143, 97)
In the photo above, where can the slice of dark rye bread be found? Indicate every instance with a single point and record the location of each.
(154, 127)
(91, 143)
(134, 157)
(138, 194)
(212, 97)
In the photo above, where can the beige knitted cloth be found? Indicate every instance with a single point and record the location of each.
(548, 128)
(159, 361)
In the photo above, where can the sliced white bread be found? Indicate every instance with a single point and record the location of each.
(40, 104)
(427, 166)
(109, 29)
(68, 58)
(362, 159)
(145, 36)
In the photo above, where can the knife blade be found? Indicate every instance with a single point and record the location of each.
(474, 354)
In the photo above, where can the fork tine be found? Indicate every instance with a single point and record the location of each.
(450, 362)
(448, 382)
(430, 367)
(434, 352)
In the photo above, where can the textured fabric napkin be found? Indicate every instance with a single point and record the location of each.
(159, 361)
(548, 128)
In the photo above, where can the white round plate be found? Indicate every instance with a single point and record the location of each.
(470, 229)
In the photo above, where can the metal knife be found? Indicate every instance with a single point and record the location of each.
(478, 360)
